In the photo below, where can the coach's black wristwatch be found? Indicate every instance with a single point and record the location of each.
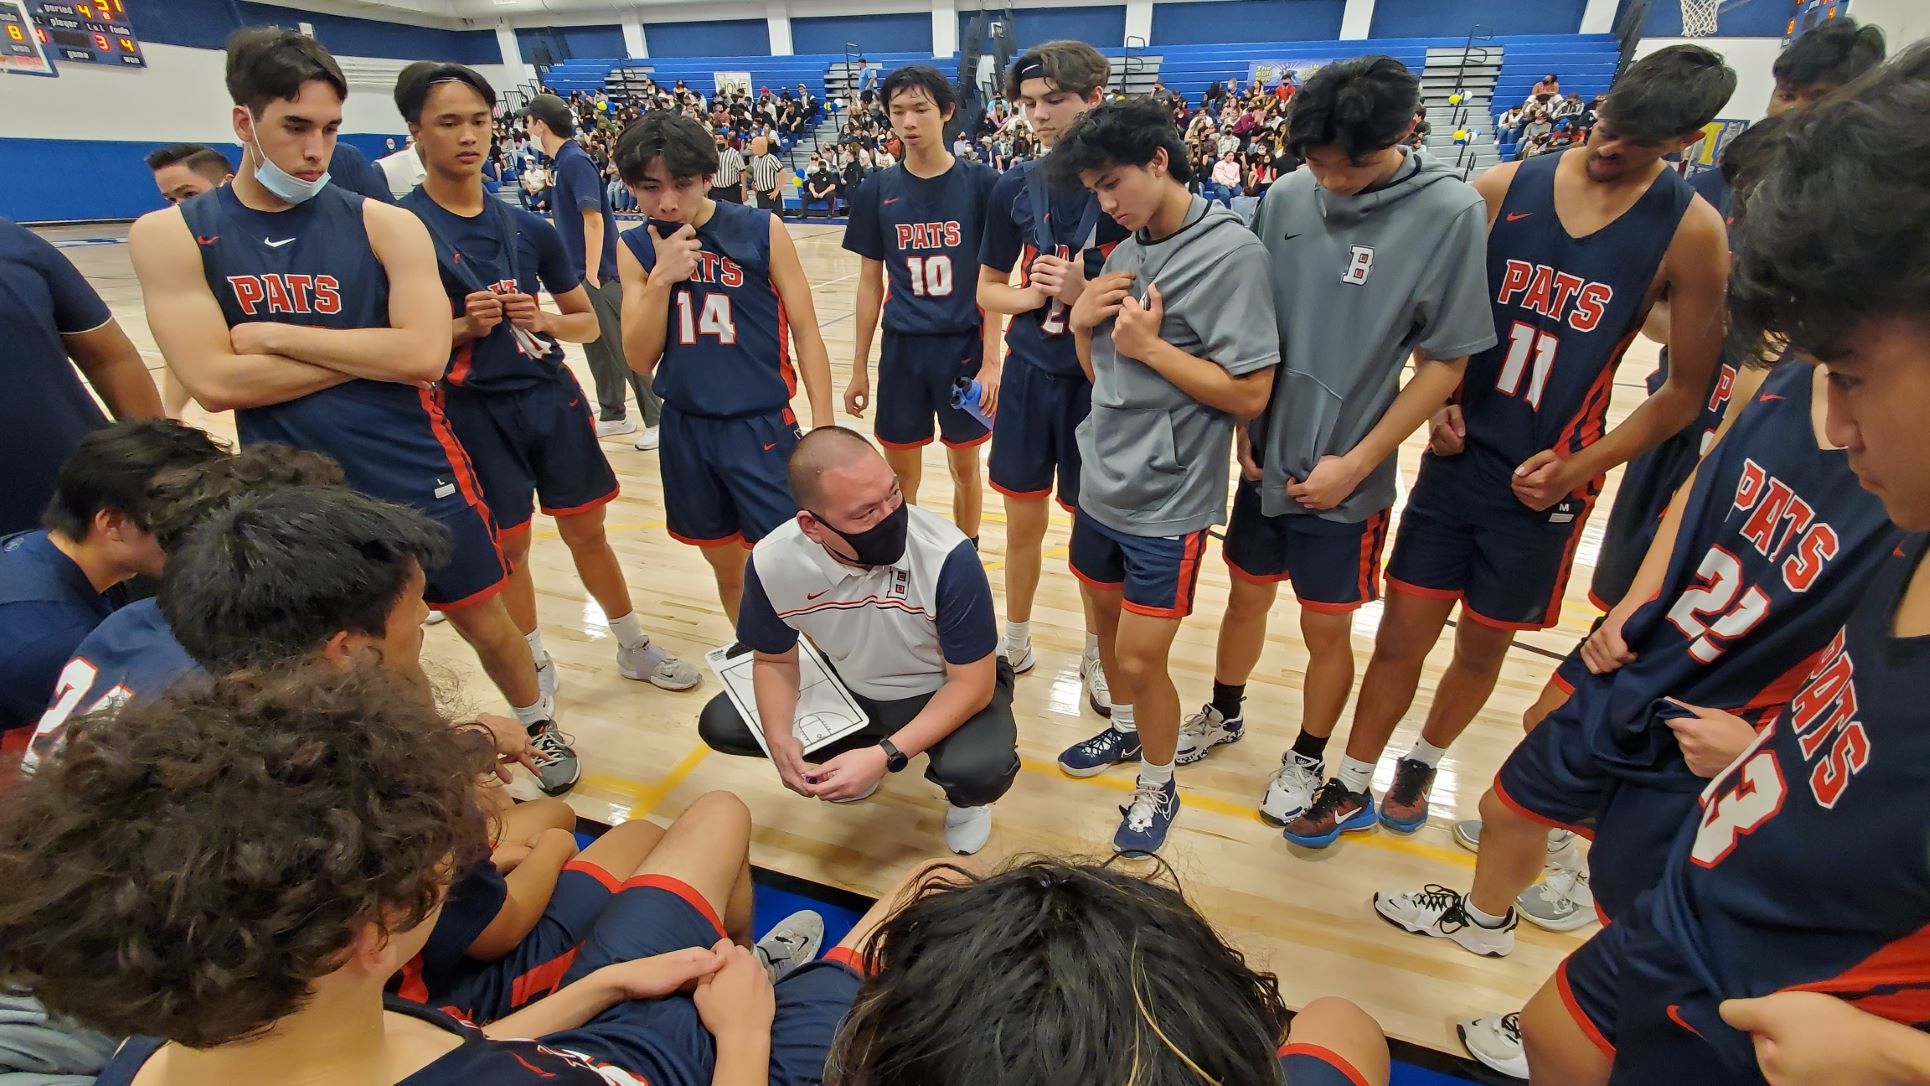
(895, 759)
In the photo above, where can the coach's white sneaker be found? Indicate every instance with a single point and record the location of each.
(616, 427)
(967, 828)
(1495, 1040)
(1441, 913)
(1093, 675)
(1291, 790)
(645, 662)
(1021, 657)
(649, 438)
(546, 681)
(794, 942)
(1561, 901)
(1205, 730)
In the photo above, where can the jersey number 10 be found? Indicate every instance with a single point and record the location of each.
(931, 276)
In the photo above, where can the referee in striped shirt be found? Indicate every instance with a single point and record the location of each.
(766, 168)
(728, 185)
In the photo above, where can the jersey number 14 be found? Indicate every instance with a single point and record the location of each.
(713, 319)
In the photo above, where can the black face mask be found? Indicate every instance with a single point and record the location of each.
(879, 545)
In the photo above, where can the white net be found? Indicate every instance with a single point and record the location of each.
(1699, 17)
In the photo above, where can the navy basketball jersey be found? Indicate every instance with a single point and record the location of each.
(1565, 309)
(508, 251)
(926, 230)
(1778, 543)
(132, 653)
(1807, 869)
(727, 342)
(471, 906)
(1028, 217)
(312, 265)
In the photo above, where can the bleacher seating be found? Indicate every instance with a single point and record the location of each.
(699, 73)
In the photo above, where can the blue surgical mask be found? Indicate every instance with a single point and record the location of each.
(285, 185)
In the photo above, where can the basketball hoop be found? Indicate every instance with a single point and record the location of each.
(1699, 17)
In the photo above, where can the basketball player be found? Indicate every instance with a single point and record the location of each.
(1378, 253)
(59, 582)
(1054, 236)
(258, 969)
(1579, 246)
(1171, 379)
(185, 170)
(1804, 872)
(513, 404)
(318, 316)
(714, 295)
(922, 219)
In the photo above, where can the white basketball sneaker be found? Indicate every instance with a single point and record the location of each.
(1291, 790)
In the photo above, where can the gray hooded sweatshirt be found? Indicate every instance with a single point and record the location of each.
(1155, 461)
(1359, 283)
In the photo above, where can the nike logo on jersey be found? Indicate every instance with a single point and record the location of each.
(815, 595)
(1771, 397)
(891, 201)
(276, 244)
(1517, 216)
(207, 240)
(1550, 293)
(770, 446)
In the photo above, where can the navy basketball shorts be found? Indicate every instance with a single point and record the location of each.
(486, 991)
(664, 1040)
(1509, 569)
(1035, 433)
(725, 480)
(915, 378)
(1648, 483)
(1634, 997)
(1333, 567)
(1312, 1065)
(533, 444)
(1157, 573)
(476, 569)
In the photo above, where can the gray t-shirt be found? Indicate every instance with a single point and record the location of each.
(1156, 461)
(1359, 284)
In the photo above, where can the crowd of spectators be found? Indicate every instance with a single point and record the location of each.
(1547, 120)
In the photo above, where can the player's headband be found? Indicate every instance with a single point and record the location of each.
(1033, 70)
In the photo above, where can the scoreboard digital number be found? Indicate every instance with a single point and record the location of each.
(20, 48)
(87, 32)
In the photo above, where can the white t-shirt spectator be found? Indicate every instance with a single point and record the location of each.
(403, 171)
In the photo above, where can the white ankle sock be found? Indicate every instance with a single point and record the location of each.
(1122, 719)
(1153, 773)
(536, 653)
(1562, 852)
(1481, 919)
(1426, 752)
(1092, 644)
(531, 715)
(1355, 774)
(1018, 634)
(629, 630)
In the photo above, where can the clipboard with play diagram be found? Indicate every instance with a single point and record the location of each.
(826, 711)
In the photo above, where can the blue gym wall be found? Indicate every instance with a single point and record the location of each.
(1215, 21)
(1432, 18)
(722, 38)
(206, 24)
(1102, 26)
(565, 42)
(906, 32)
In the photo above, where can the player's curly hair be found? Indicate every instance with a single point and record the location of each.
(1051, 967)
(181, 499)
(1825, 245)
(189, 867)
(1127, 133)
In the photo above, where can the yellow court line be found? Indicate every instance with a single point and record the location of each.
(645, 797)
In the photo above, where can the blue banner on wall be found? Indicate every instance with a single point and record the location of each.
(1268, 72)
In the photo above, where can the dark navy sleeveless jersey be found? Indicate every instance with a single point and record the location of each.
(927, 231)
(131, 654)
(471, 906)
(1026, 218)
(479, 1060)
(510, 251)
(1778, 543)
(727, 342)
(1807, 867)
(1565, 309)
(312, 265)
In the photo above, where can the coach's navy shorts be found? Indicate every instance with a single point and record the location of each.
(1333, 567)
(915, 378)
(1508, 569)
(1312, 1065)
(537, 443)
(725, 480)
(1158, 573)
(664, 1040)
(1035, 433)
(486, 991)
(476, 569)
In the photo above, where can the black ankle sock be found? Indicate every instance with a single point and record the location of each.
(1311, 746)
(1227, 697)
(974, 540)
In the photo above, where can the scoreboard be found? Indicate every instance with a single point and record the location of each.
(78, 32)
(20, 48)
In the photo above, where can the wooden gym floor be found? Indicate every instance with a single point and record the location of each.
(1300, 913)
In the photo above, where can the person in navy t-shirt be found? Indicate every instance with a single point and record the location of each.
(57, 583)
(51, 314)
(318, 315)
(514, 405)
(917, 227)
(713, 297)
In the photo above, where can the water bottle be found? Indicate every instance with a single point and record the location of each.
(966, 396)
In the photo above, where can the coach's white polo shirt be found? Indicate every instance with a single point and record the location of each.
(889, 630)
